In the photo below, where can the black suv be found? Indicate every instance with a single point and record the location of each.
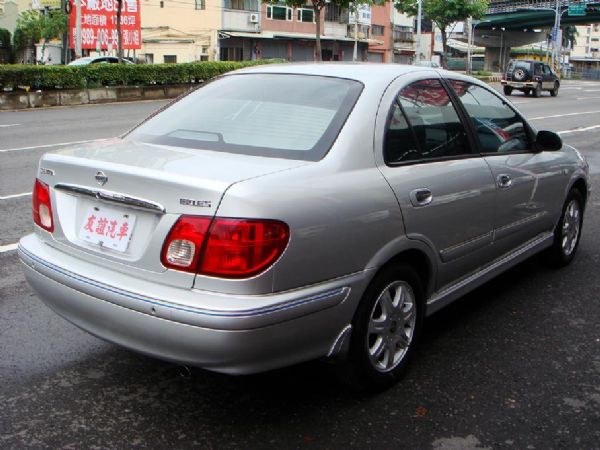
(531, 77)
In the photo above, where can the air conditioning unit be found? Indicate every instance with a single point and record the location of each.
(253, 18)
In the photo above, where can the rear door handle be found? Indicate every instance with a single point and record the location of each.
(504, 181)
(420, 197)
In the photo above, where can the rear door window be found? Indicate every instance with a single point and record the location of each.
(499, 128)
(425, 125)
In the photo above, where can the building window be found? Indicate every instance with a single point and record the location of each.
(334, 13)
(149, 58)
(243, 5)
(200, 4)
(377, 30)
(170, 59)
(305, 15)
(275, 12)
(401, 33)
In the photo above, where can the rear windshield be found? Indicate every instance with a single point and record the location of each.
(276, 115)
(518, 65)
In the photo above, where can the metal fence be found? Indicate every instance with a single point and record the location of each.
(461, 64)
(583, 75)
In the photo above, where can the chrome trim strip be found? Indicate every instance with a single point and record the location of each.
(342, 291)
(454, 291)
(111, 197)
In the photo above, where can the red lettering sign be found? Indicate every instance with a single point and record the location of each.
(99, 24)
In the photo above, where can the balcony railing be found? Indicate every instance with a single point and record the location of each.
(403, 36)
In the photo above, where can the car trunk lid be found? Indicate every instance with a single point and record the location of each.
(115, 201)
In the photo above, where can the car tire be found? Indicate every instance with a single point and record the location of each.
(568, 231)
(507, 90)
(554, 91)
(537, 91)
(385, 329)
(527, 92)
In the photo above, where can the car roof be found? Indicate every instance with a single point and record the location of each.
(364, 72)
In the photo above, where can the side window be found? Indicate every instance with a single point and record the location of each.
(547, 70)
(400, 144)
(538, 69)
(433, 121)
(499, 128)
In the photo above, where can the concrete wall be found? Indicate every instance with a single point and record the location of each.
(70, 97)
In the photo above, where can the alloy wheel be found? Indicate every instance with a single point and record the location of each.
(571, 227)
(391, 326)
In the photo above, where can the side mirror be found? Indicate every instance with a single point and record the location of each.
(548, 141)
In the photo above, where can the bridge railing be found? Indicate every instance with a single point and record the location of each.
(502, 6)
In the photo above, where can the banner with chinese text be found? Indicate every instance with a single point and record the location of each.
(99, 24)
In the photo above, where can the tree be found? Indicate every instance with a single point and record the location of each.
(317, 6)
(119, 37)
(33, 26)
(5, 46)
(569, 36)
(444, 13)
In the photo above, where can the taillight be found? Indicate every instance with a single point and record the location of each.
(42, 207)
(184, 243)
(229, 248)
(239, 248)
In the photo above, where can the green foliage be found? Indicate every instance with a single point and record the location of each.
(33, 26)
(569, 36)
(444, 12)
(94, 75)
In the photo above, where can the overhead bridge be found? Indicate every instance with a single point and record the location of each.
(515, 23)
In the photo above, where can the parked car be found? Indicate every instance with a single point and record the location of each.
(97, 60)
(427, 63)
(531, 77)
(290, 212)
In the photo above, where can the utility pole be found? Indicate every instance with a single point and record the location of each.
(78, 29)
(555, 32)
(469, 44)
(419, 14)
(355, 53)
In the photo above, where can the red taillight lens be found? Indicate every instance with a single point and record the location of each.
(238, 248)
(230, 248)
(182, 248)
(42, 208)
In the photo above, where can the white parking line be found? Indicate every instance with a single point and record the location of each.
(586, 98)
(61, 144)
(9, 125)
(24, 194)
(564, 115)
(579, 130)
(8, 248)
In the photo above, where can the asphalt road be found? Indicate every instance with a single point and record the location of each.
(515, 364)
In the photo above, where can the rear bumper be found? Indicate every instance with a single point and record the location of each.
(282, 329)
(519, 84)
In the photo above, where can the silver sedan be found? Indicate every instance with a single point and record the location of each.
(290, 212)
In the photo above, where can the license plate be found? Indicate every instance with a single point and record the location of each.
(517, 85)
(107, 228)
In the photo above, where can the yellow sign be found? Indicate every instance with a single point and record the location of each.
(47, 4)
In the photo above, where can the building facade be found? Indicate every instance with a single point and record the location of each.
(238, 30)
(585, 55)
